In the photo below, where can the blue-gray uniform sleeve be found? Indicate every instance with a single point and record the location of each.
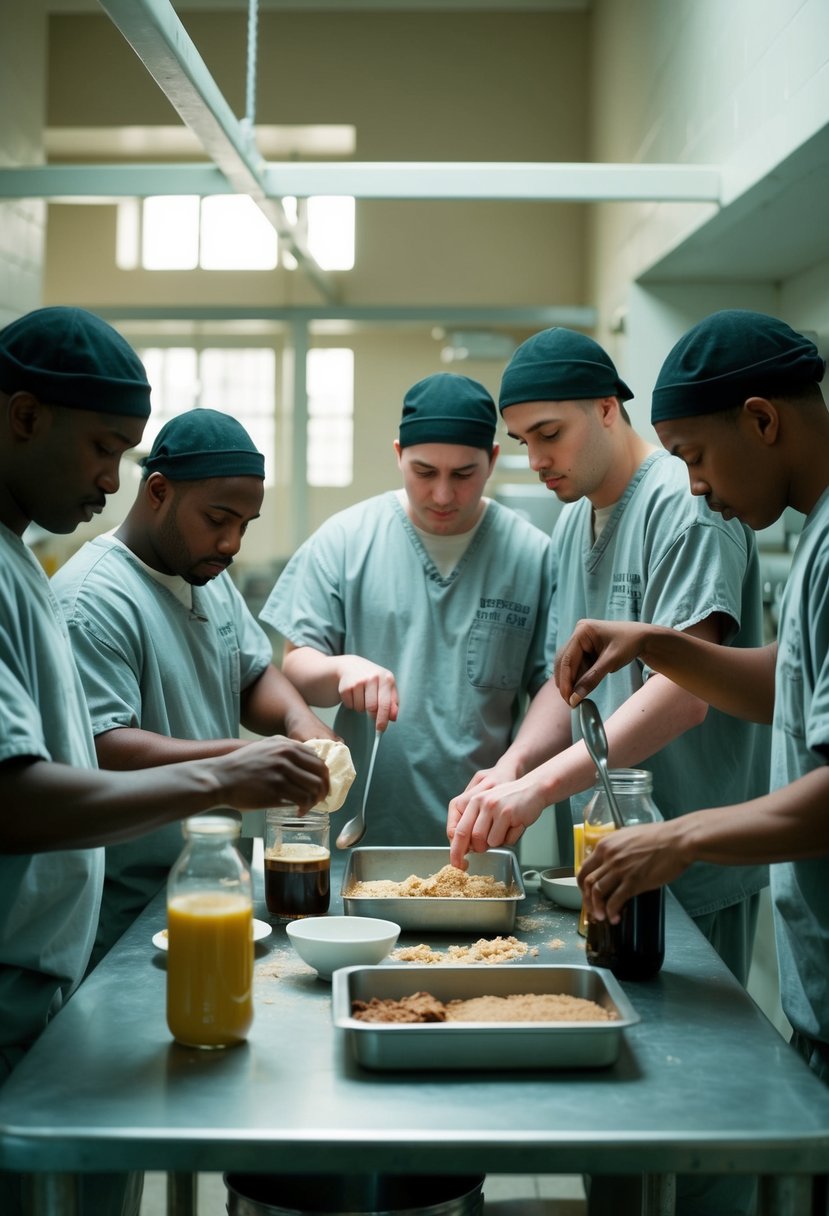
(306, 604)
(538, 668)
(817, 657)
(109, 677)
(21, 727)
(703, 572)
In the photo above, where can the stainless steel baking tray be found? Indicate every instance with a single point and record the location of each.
(481, 1045)
(460, 915)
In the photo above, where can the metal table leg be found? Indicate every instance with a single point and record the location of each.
(658, 1194)
(50, 1195)
(786, 1195)
(181, 1194)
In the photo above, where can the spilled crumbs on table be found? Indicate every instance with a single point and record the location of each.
(485, 950)
(279, 965)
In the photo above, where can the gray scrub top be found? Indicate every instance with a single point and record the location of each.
(148, 661)
(465, 650)
(48, 901)
(664, 557)
(800, 889)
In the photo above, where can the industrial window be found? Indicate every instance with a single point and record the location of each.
(237, 382)
(228, 232)
(330, 386)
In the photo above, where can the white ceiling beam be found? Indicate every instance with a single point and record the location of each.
(166, 50)
(410, 180)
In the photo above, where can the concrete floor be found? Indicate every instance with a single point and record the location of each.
(504, 1194)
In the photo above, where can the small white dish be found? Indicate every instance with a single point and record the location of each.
(329, 942)
(559, 884)
(261, 929)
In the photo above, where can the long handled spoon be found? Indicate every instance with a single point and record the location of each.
(355, 829)
(595, 740)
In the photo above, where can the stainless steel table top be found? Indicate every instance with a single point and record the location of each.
(702, 1082)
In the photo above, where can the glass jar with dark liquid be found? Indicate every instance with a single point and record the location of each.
(297, 863)
(635, 948)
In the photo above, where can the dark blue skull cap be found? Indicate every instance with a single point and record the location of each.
(560, 365)
(68, 356)
(732, 355)
(201, 444)
(448, 408)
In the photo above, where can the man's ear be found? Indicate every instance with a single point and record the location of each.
(27, 416)
(763, 418)
(158, 489)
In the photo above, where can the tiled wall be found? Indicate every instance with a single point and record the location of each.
(22, 107)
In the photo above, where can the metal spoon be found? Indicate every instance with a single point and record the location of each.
(595, 740)
(355, 829)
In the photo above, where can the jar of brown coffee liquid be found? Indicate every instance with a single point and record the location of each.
(635, 948)
(297, 863)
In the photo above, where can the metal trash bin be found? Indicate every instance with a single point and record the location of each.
(354, 1195)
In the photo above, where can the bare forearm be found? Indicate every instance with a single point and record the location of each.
(130, 748)
(315, 675)
(788, 824)
(545, 731)
(273, 705)
(737, 682)
(54, 806)
(650, 719)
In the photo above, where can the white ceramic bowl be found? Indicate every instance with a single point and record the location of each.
(561, 886)
(328, 942)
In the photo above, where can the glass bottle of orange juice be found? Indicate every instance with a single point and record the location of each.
(635, 948)
(210, 936)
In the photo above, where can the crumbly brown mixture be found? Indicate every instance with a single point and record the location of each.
(420, 1007)
(527, 1007)
(448, 883)
(517, 1007)
(485, 950)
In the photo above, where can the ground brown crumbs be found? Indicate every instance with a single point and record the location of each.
(527, 1007)
(528, 924)
(420, 1007)
(485, 950)
(555, 943)
(517, 1007)
(448, 883)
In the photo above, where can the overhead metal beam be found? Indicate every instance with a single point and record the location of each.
(507, 180)
(166, 50)
(409, 180)
(518, 316)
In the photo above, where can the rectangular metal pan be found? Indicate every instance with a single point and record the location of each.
(461, 915)
(481, 1045)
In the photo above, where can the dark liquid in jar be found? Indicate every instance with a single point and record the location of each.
(635, 948)
(297, 888)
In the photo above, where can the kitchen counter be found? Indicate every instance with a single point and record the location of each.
(703, 1082)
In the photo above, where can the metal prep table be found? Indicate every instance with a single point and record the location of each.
(703, 1083)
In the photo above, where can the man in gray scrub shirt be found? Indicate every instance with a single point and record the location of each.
(421, 612)
(74, 398)
(631, 544)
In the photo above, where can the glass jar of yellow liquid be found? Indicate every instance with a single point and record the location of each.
(210, 936)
